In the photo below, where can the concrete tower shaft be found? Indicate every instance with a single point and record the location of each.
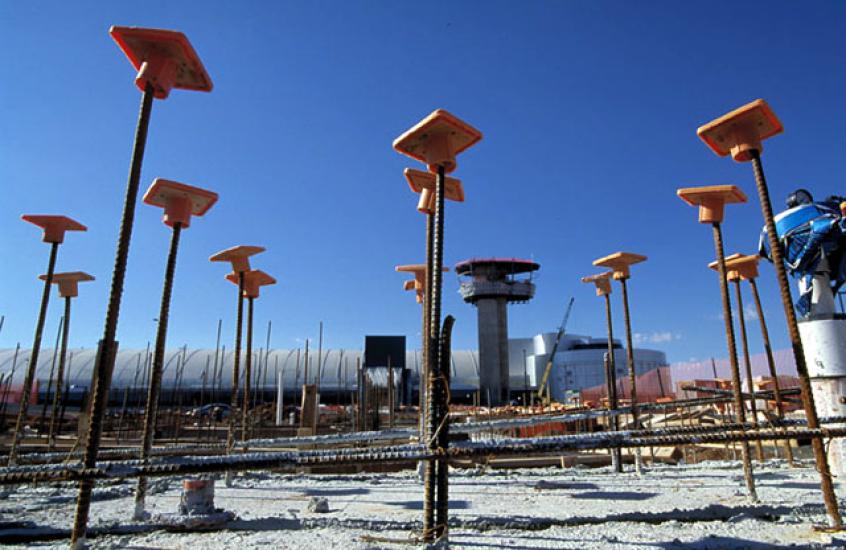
(491, 284)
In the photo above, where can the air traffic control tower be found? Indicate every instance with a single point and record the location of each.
(490, 284)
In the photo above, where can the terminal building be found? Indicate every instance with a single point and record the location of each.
(203, 374)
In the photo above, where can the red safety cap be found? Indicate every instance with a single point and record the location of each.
(179, 201)
(54, 226)
(239, 256)
(68, 282)
(437, 139)
(163, 58)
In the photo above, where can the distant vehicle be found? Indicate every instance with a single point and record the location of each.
(215, 411)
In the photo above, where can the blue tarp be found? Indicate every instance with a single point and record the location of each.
(808, 233)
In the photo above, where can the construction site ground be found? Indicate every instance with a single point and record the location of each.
(669, 506)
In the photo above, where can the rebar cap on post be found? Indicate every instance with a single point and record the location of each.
(424, 183)
(253, 281)
(179, 201)
(165, 59)
(619, 263)
(711, 200)
(437, 139)
(419, 282)
(602, 282)
(746, 265)
(68, 282)
(54, 226)
(238, 256)
(741, 130)
(732, 274)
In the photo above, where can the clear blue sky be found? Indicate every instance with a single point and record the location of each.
(588, 109)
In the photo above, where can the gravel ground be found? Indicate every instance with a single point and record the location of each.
(696, 506)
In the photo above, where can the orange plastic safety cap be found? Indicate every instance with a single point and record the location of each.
(179, 201)
(239, 256)
(602, 282)
(437, 139)
(711, 199)
(741, 130)
(619, 263)
(424, 183)
(54, 226)
(745, 264)
(253, 281)
(732, 273)
(68, 282)
(163, 58)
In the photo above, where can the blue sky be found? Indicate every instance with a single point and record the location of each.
(588, 109)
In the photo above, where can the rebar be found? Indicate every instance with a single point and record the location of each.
(43, 420)
(798, 352)
(631, 364)
(747, 362)
(435, 261)
(60, 378)
(236, 367)
(104, 363)
(248, 370)
(732, 349)
(765, 335)
(154, 389)
(611, 382)
(26, 389)
(444, 358)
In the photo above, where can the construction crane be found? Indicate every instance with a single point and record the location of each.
(543, 388)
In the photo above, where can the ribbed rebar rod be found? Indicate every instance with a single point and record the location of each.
(798, 352)
(43, 421)
(747, 363)
(765, 335)
(434, 407)
(732, 350)
(60, 380)
(236, 368)
(153, 391)
(444, 358)
(408, 453)
(104, 363)
(611, 381)
(248, 370)
(631, 364)
(427, 288)
(26, 389)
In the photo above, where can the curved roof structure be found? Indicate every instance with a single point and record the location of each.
(509, 265)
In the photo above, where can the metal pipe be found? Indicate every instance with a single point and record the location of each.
(60, 377)
(765, 335)
(33, 356)
(154, 390)
(798, 352)
(732, 349)
(104, 364)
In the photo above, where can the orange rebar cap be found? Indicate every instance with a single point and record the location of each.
(238, 256)
(619, 263)
(68, 282)
(179, 201)
(437, 139)
(424, 183)
(54, 226)
(253, 281)
(417, 284)
(732, 273)
(746, 265)
(602, 282)
(711, 200)
(741, 130)
(163, 58)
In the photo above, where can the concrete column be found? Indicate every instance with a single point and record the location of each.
(493, 350)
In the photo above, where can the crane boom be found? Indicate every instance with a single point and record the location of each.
(543, 387)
